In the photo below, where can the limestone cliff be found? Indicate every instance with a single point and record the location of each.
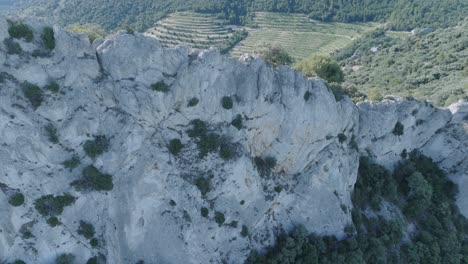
(153, 212)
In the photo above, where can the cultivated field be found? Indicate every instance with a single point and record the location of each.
(191, 29)
(299, 35)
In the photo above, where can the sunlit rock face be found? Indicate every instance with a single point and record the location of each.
(153, 213)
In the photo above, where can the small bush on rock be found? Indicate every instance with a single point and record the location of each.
(33, 93)
(219, 218)
(50, 205)
(204, 185)
(12, 47)
(175, 146)
(16, 199)
(21, 30)
(160, 87)
(53, 221)
(342, 137)
(237, 122)
(265, 166)
(398, 130)
(93, 179)
(51, 133)
(72, 163)
(193, 102)
(86, 229)
(96, 147)
(53, 87)
(244, 231)
(227, 102)
(65, 259)
(48, 38)
(204, 212)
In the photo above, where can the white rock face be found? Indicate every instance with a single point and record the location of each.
(153, 213)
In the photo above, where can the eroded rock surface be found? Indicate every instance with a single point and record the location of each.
(153, 212)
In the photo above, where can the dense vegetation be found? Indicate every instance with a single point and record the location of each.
(424, 225)
(430, 66)
(403, 14)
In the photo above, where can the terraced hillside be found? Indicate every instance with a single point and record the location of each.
(299, 35)
(192, 29)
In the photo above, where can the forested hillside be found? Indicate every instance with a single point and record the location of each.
(424, 66)
(402, 14)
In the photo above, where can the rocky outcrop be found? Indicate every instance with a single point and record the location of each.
(153, 212)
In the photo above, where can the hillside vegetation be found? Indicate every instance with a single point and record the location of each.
(192, 29)
(298, 35)
(430, 66)
(143, 14)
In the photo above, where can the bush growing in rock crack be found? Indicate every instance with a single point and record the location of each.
(204, 185)
(99, 259)
(244, 231)
(193, 102)
(219, 218)
(50, 205)
(265, 166)
(342, 137)
(53, 221)
(93, 179)
(96, 147)
(237, 122)
(72, 163)
(160, 87)
(33, 93)
(86, 229)
(53, 87)
(51, 133)
(204, 212)
(65, 259)
(48, 38)
(12, 47)
(20, 31)
(226, 151)
(227, 102)
(16, 199)
(398, 130)
(175, 146)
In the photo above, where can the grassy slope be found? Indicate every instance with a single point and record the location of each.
(299, 35)
(432, 66)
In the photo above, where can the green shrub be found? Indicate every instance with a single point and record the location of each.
(323, 67)
(53, 87)
(16, 199)
(94, 243)
(21, 30)
(398, 130)
(278, 189)
(50, 205)
(93, 179)
(342, 137)
(265, 166)
(374, 95)
(193, 102)
(219, 218)
(307, 95)
(33, 93)
(175, 146)
(160, 87)
(237, 122)
(12, 47)
(204, 212)
(172, 203)
(275, 55)
(199, 129)
(96, 147)
(53, 221)
(233, 224)
(72, 163)
(208, 143)
(226, 151)
(419, 195)
(99, 259)
(51, 133)
(204, 185)
(226, 102)
(18, 261)
(65, 259)
(244, 231)
(86, 229)
(48, 38)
